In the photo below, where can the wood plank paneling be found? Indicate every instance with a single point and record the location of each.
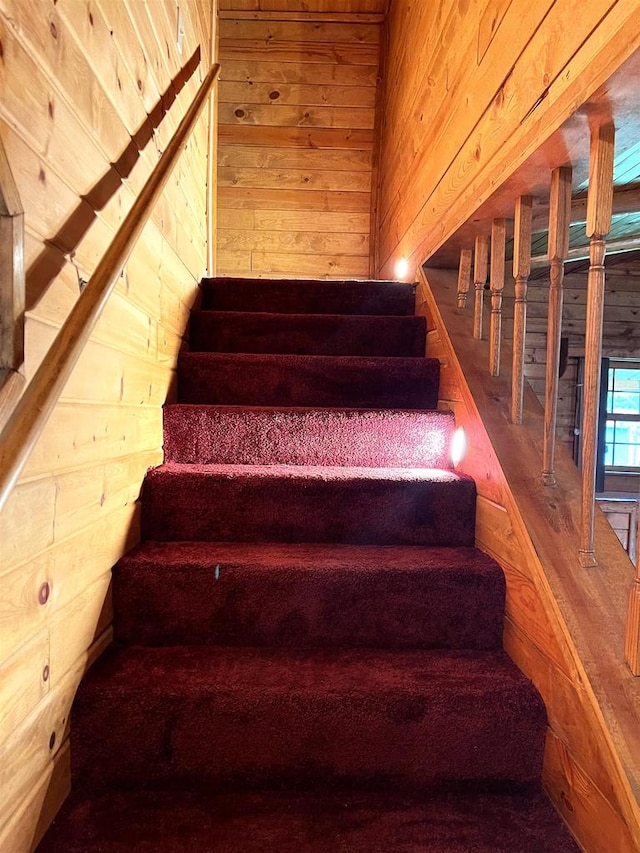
(515, 72)
(90, 93)
(297, 106)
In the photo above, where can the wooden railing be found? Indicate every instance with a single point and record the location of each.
(41, 395)
(598, 219)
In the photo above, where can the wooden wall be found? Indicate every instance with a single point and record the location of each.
(296, 127)
(83, 89)
(563, 625)
(472, 90)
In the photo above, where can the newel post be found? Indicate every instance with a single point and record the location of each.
(480, 263)
(521, 270)
(599, 208)
(559, 221)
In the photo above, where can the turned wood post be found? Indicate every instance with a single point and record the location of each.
(599, 206)
(480, 263)
(559, 221)
(521, 270)
(464, 277)
(498, 242)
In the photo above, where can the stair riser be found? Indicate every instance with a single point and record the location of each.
(308, 297)
(311, 335)
(380, 741)
(209, 435)
(280, 509)
(380, 607)
(273, 380)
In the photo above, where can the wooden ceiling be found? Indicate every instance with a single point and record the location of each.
(616, 101)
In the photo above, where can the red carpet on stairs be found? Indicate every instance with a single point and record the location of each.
(308, 648)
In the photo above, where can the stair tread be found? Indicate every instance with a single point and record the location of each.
(374, 362)
(345, 674)
(308, 595)
(180, 821)
(206, 434)
(323, 556)
(322, 473)
(311, 296)
(308, 380)
(311, 334)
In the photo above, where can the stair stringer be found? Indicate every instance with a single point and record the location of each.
(564, 625)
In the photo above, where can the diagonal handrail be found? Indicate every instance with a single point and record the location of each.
(39, 399)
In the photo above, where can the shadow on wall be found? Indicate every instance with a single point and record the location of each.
(52, 259)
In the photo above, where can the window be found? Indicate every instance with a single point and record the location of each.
(622, 424)
(618, 454)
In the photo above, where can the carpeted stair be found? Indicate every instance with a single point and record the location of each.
(308, 646)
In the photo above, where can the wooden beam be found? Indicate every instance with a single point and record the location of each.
(480, 263)
(464, 277)
(559, 214)
(582, 253)
(599, 209)
(498, 244)
(624, 201)
(521, 270)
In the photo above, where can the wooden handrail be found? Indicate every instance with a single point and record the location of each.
(39, 399)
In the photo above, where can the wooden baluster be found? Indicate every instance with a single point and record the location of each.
(559, 221)
(498, 241)
(632, 636)
(521, 270)
(464, 277)
(599, 205)
(480, 263)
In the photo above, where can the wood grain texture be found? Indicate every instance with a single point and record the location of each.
(296, 137)
(598, 224)
(565, 627)
(496, 283)
(521, 270)
(439, 166)
(480, 262)
(91, 94)
(559, 220)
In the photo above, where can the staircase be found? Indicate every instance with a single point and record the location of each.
(308, 646)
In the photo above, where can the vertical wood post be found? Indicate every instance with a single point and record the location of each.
(521, 270)
(632, 636)
(464, 277)
(559, 221)
(480, 263)
(498, 242)
(599, 206)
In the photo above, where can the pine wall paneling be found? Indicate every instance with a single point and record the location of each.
(84, 85)
(514, 71)
(297, 106)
